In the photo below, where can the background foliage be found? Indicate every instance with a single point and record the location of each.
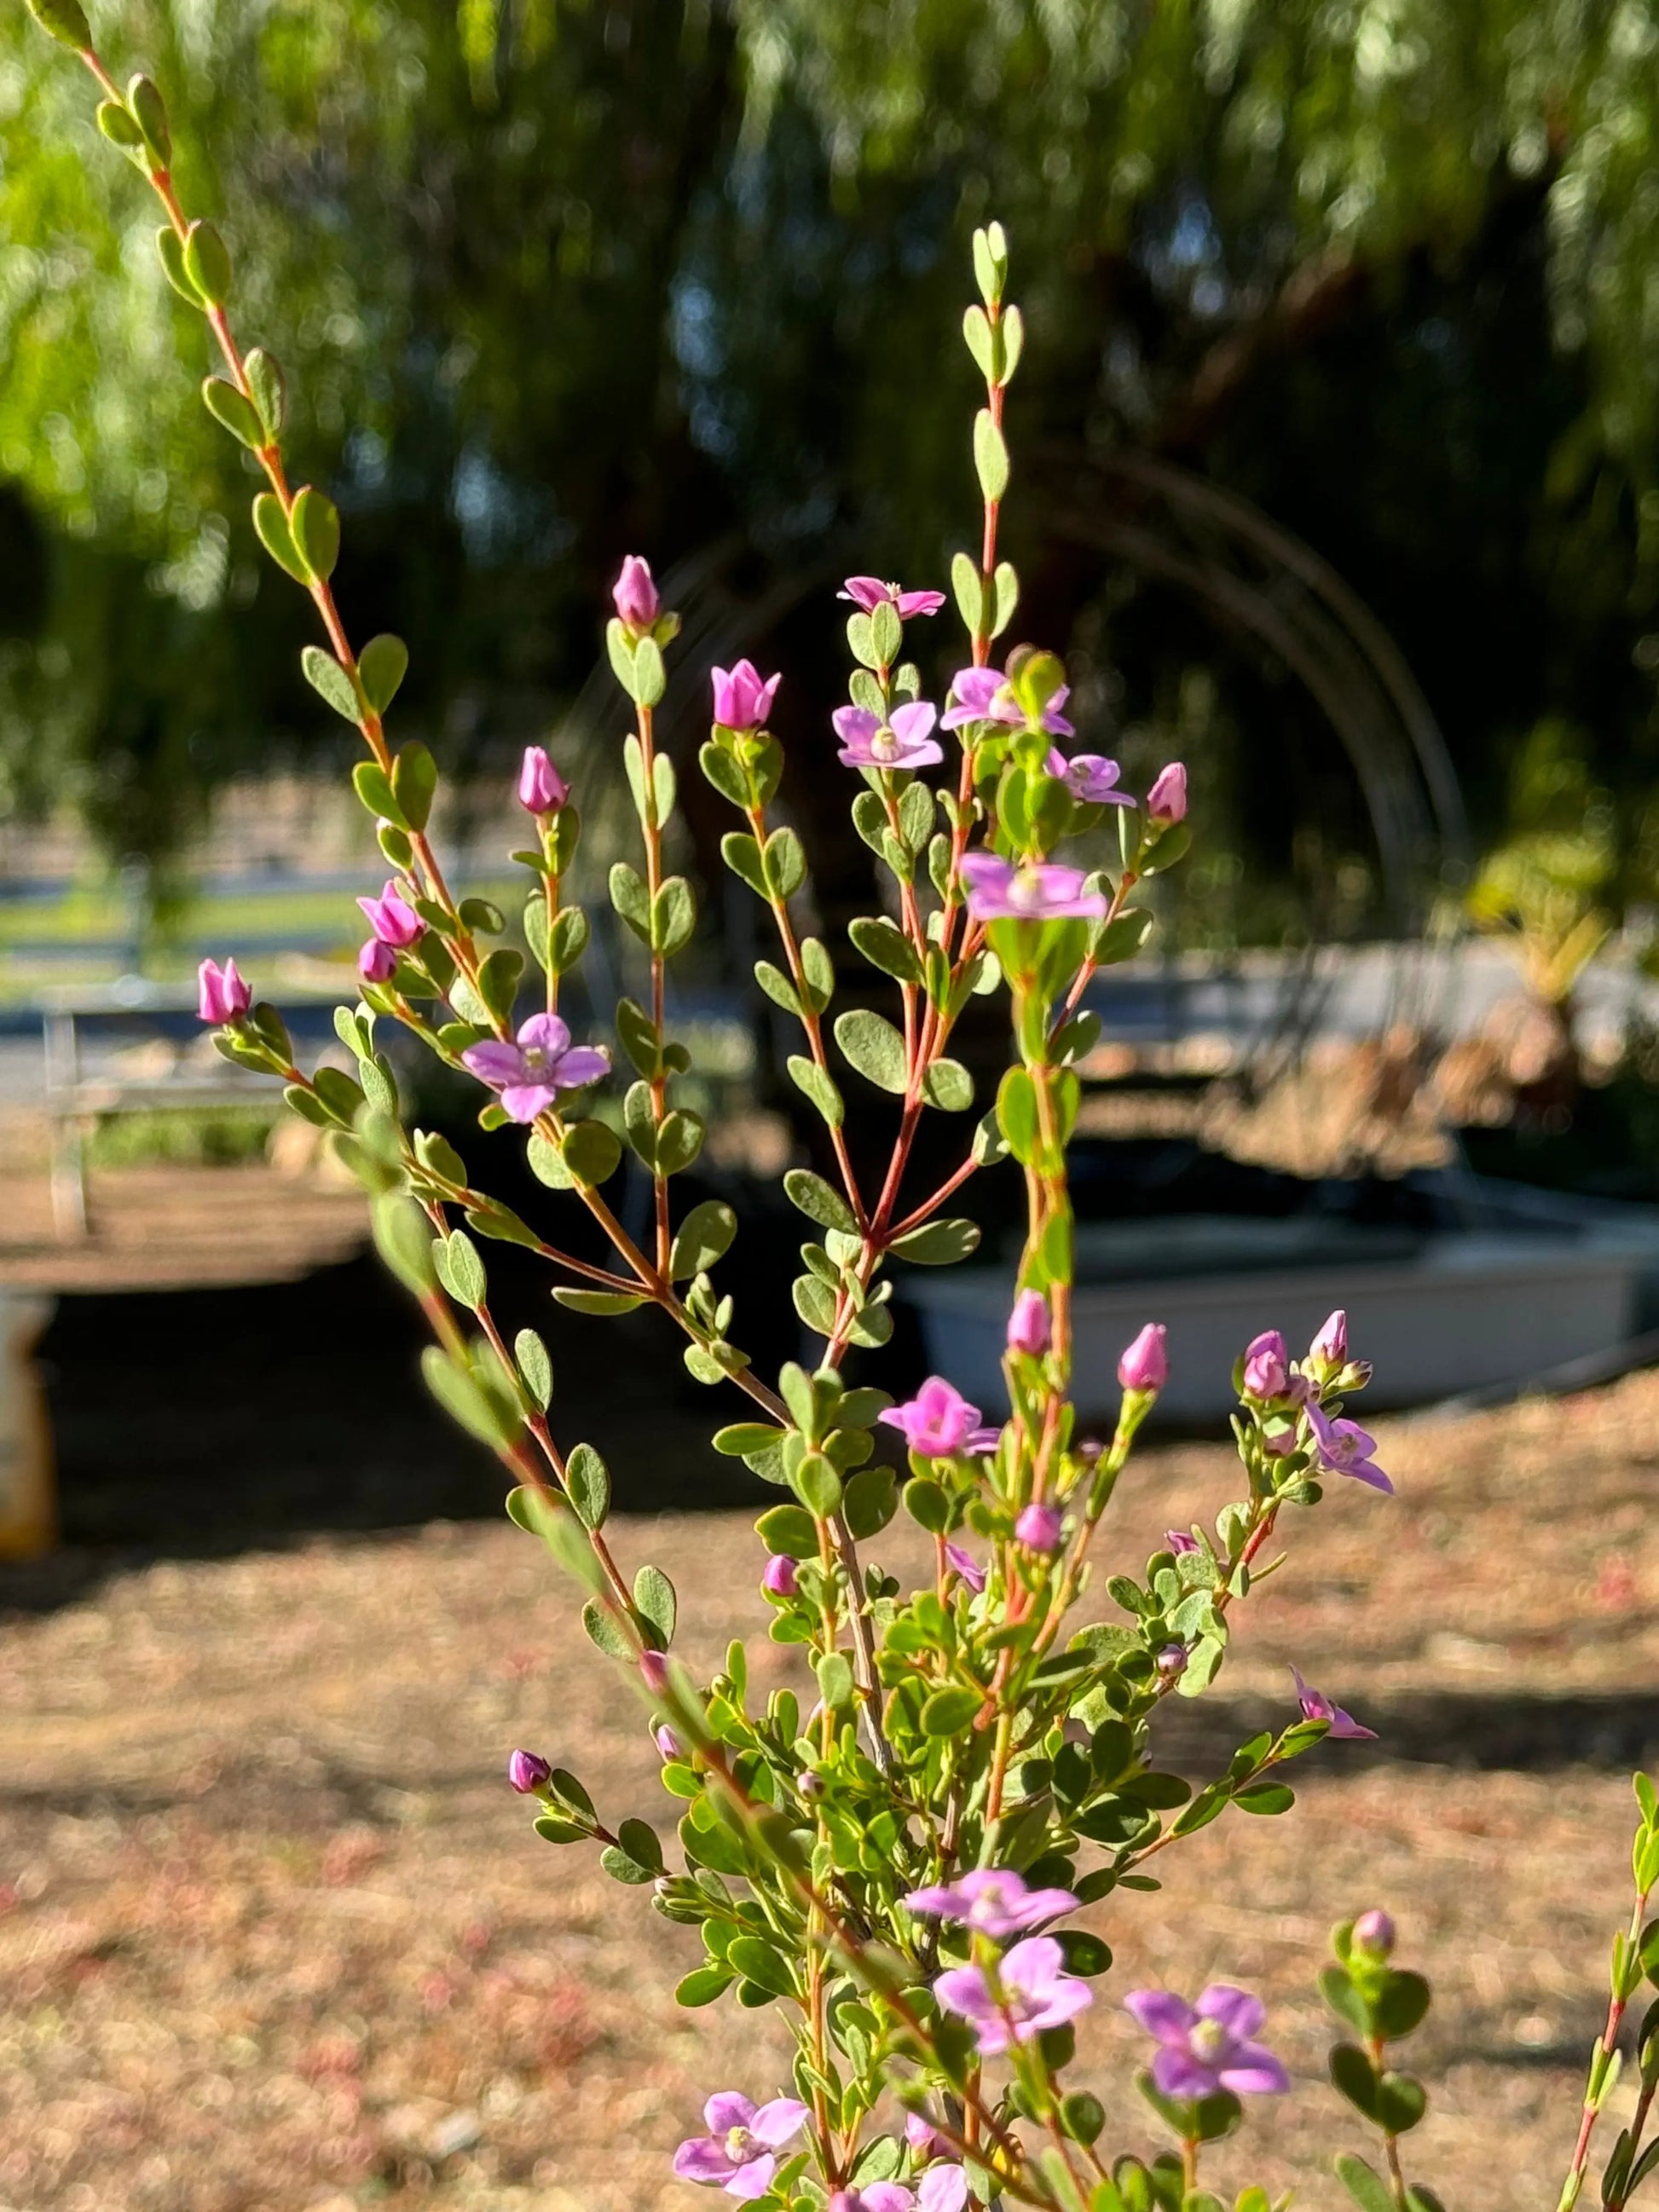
(554, 278)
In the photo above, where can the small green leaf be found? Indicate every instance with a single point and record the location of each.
(1370, 2193)
(605, 1304)
(314, 521)
(623, 1866)
(819, 1086)
(673, 917)
(237, 413)
(414, 781)
(702, 1986)
(937, 1244)
(535, 1366)
(704, 1237)
(271, 526)
(65, 20)
(653, 1596)
(948, 1085)
(874, 1048)
(587, 1479)
(784, 864)
(331, 682)
(207, 263)
(949, 1711)
(171, 255)
(381, 667)
(628, 898)
(834, 1680)
(462, 1270)
(884, 946)
(819, 1200)
(269, 389)
(990, 456)
(592, 1152)
(968, 584)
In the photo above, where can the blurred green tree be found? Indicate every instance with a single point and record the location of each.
(554, 277)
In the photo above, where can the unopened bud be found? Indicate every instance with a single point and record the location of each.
(1038, 1528)
(1028, 1324)
(634, 594)
(653, 1666)
(528, 1772)
(780, 1577)
(1171, 1661)
(668, 1744)
(1145, 1363)
(1266, 1366)
(542, 789)
(1166, 801)
(1331, 1345)
(1373, 1932)
(811, 1785)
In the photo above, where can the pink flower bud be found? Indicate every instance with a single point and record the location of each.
(1180, 1542)
(1171, 1661)
(377, 963)
(1266, 1366)
(780, 1577)
(528, 1772)
(1166, 801)
(743, 698)
(1028, 1324)
(1038, 1528)
(1331, 1345)
(668, 1744)
(222, 995)
(1146, 1364)
(633, 594)
(922, 2137)
(542, 789)
(392, 919)
(1373, 1932)
(653, 1666)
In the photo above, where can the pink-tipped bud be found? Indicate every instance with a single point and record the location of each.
(1028, 1324)
(1146, 1364)
(542, 789)
(633, 594)
(653, 1667)
(1331, 1345)
(1266, 1366)
(780, 1577)
(222, 995)
(921, 2136)
(1166, 801)
(1038, 1528)
(668, 1744)
(528, 1772)
(1178, 1541)
(1171, 1661)
(377, 963)
(1373, 1932)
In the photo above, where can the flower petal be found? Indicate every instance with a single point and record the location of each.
(493, 1062)
(1161, 2013)
(855, 724)
(583, 1063)
(912, 720)
(754, 2180)
(524, 1101)
(726, 2110)
(1178, 2074)
(1253, 2072)
(776, 2121)
(944, 2189)
(702, 2159)
(547, 1033)
(1236, 2010)
(961, 1989)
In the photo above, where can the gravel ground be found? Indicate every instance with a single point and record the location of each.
(274, 1934)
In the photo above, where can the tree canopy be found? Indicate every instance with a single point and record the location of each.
(557, 278)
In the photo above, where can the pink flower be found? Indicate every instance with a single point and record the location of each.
(965, 1564)
(1171, 1661)
(1091, 779)
(530, 1073)
(653, 1671)
(1041, 890)
(944, 2189)
(1178, 1541)
(1331, 1345)
(668, 1744)
(738, 2153)
(985, 694)
(938, 1422)
(994, 1901)
(222, 995)
(868, 742)
(376, 962)
(1032, 1991)
(1266, 1366)
(1344, 1447)
(1207, 2047)
(1146, 1364)
(983, 1442)
(1166, 801)
(1038, 1528)
(1316, 1706)
(922, 2136)
(870, 593)
(780, 1575)
(874, 2197)
(743, 699)
(542, 789)
(391, 918)
(633, 594)
(1028, 1324)
(528, 1772)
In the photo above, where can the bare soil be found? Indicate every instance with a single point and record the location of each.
(274, 1934)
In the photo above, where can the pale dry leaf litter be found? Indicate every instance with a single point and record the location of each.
(274, 1932)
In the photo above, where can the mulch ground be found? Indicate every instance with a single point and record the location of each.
(274, 1933)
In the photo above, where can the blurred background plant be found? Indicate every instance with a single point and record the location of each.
(556, 278)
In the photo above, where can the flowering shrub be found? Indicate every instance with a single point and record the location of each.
(898, 1862)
